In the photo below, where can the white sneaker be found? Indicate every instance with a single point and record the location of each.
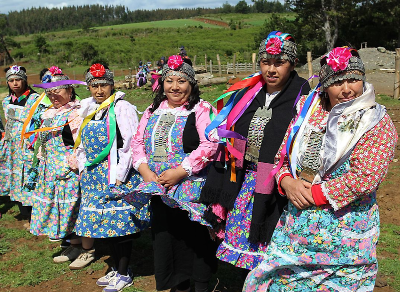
(105, 280)
(69, 254)
(118, 282)
(84, 259)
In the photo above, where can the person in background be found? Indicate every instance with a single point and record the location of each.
(333, 159)
(242, 209)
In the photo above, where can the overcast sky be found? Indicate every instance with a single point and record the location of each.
(16, 5)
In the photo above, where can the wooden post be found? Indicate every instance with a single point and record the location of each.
(253, 60)
(210, 66)
(396, 94)
(205, 62)
(194, 60)
(310, 70)
(74, 75)
(234, 65)
(219, 66)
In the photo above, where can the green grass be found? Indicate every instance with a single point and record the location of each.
(176, 23)
(389, 243)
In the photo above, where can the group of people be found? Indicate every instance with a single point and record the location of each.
(280, 181)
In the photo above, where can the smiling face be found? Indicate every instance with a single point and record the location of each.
(276, 73)
(17, 86)
(101, 91)
(344, 90)
(60, 97)
(177, 89)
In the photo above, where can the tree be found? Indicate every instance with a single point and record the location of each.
(40, 43)
(242, 7)
(227, 8)
(3, 43)
(325, 15)
(88, 52)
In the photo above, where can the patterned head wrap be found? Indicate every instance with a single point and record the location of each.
(176, 66)
(98, 74)
(339, 64)
(16, 72)
(55, 74)
(278, 45)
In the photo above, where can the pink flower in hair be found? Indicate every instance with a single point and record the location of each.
(55, 70)
(274, 46)
(338, 58)
(174, 62)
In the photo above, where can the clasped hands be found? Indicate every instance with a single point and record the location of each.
(298, 192)
(168, 178)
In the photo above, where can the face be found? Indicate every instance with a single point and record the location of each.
(59, 97)
(101, 92)
(344, 90)
(276, 73)
(177, 90)
(17, 85)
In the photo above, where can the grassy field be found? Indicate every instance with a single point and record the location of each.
(124, 45)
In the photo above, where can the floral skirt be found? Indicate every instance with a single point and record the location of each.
(183, 195)
(102, 214)
(319, 249)
(236, 249)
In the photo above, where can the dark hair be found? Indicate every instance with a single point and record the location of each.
(41, 74)
(193, 99)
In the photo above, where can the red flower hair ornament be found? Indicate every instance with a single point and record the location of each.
(274, 46)
(338, 58)
(174, 62)
(97, 70)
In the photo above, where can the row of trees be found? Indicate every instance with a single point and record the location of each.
(86, 16)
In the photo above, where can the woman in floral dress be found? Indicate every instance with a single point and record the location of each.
(105, 162)
(335, 155)
(171, 153)
(16, 158)
(56, 196)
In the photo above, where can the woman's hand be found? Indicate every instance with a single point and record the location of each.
(298, 192)
(171, 177)
(147, 174)
(118, 182)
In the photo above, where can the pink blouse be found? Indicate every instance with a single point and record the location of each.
(198, 158)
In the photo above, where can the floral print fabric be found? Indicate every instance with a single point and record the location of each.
(15, 159)
(102, 214)
(323, 249)
(56, 197)
(236, 248)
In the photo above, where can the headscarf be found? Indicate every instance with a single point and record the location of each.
(177, 67)
(339, 64)
(16, 71)
(98, 74)
(278, 45)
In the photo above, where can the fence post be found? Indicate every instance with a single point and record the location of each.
(396, 94)
(253, 60)
(194, 60)
(310, 69)
(205, 61)
(210, 66)
(74, 75)
(219, 66)
(234, 65)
